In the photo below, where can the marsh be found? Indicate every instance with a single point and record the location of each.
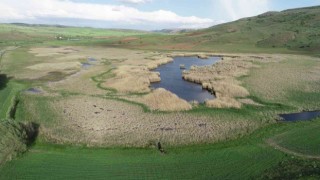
(171, 78)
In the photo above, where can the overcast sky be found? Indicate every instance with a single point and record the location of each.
(139, 14)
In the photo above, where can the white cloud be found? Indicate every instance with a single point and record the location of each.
(135, 1)
(15, 10)
(236, 9)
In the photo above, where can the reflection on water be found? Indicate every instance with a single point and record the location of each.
(171, 78)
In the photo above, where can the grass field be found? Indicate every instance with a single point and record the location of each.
(247, 157)
(8, 98)
(303, 139)
(244, 159)
(293, 81)
(24, 34)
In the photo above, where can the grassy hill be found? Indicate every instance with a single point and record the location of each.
(24, 34)
(296, 29)
(285, 31)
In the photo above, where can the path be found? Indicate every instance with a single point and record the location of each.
(272, 143)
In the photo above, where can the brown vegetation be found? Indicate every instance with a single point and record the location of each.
(132, 79)
(163, 100)
(275, 81)
(221, 79)
(52, 51)
(96, 121)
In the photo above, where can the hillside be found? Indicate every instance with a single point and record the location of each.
(22, 34)
(296, 29)
(285, 31)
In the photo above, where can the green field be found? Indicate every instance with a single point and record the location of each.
(303, 139)
(48, 135)
(202, 161)
(246, 158)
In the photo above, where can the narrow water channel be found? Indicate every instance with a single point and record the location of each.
(302, 116)
(171, 78)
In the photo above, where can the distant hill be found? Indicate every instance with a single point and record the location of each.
(173, 31)
(293, 29)
(21, 33)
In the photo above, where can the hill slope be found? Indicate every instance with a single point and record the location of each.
(296, 29)
(285, 31)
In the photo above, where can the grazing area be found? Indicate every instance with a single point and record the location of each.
(301, 140)
(90, 103)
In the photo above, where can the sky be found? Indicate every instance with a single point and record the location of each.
(140, 14)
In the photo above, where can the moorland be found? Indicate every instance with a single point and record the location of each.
(76, 102)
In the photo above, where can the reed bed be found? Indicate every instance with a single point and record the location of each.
(221, 79)
(104, 122)
(163, 100)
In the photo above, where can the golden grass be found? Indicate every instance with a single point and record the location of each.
(132, 79)
(158, 61)
(163, 100)
(136, 78)
(154, 77)
(52, 51)
(226, 89)
(56, 66)
(223, 102)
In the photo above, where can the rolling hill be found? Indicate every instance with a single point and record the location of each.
(285, 31)
(293, 30)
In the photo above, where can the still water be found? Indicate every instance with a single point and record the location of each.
(171, 78)
(302, 116)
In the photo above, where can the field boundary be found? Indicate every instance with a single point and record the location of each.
(272, 143)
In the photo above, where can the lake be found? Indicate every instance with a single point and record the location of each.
(171, 78)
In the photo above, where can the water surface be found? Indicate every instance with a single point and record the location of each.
(171, 78)
(33, 90)
(302, 116)
(89, 63)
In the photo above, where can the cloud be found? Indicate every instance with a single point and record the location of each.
(135, 1)
(32, 10)
(236, 9)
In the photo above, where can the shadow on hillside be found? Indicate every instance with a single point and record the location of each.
(4, 79)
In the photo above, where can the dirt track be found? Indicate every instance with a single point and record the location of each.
(288, 151)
